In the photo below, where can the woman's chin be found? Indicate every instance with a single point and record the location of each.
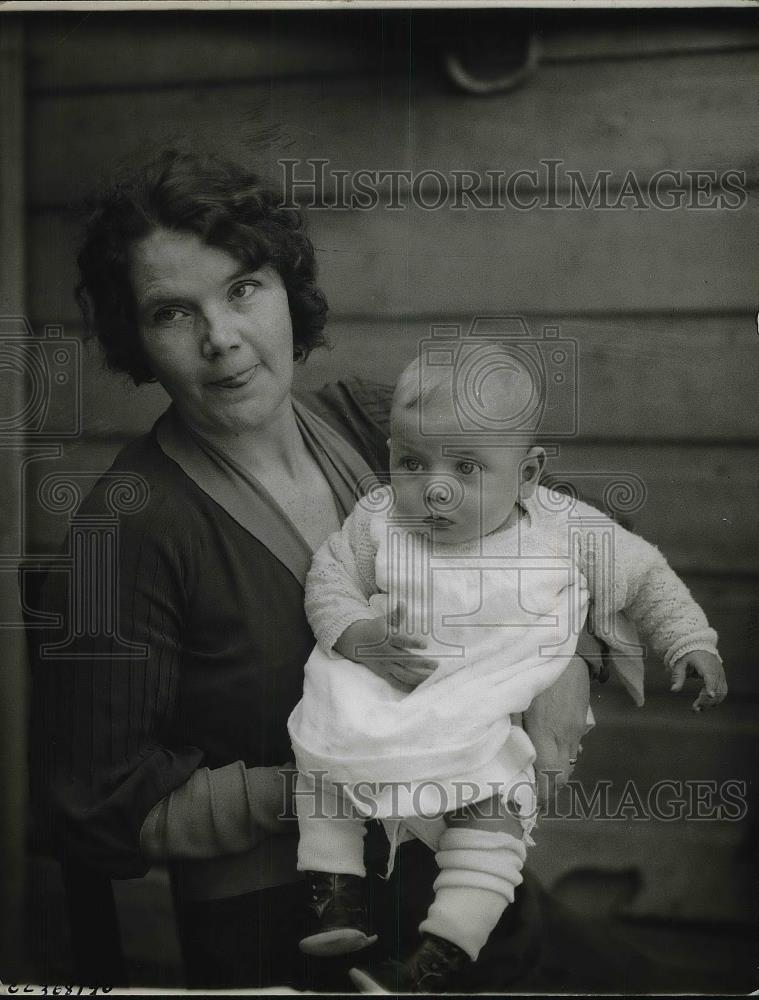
(241, 410)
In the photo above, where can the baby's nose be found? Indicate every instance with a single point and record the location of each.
(437, 493)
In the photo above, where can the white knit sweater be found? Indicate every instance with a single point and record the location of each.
(624, 573)
(525, 589)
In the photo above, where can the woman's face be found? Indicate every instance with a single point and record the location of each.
(217, 335)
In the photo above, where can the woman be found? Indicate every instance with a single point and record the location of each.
(170, 744)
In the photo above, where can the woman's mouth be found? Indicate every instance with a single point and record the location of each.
(438, 520)
(236, 381)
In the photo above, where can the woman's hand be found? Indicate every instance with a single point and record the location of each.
(556, 721)
(275, 796)
(393, 657)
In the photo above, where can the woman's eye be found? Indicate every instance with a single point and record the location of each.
(411, 464)
(243, 290)
(167, 315)
(468, 468)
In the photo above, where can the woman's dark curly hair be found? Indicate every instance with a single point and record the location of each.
(228, 208)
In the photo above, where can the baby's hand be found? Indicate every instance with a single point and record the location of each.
(699, 663)
(394, 657)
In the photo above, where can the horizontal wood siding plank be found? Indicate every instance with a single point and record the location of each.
(153, 50)
(700, 503)
(554, 261)
(648, 42)
(659, 741)
(399, 264)
(699, 373)
(103, 51)
(680, 114)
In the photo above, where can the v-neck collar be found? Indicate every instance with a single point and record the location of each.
(247, 500)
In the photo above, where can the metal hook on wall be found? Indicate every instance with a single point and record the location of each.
(464, 72)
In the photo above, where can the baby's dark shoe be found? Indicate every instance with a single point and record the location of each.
(433, 968)
(337, 917)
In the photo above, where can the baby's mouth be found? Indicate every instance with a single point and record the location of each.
(438, 520)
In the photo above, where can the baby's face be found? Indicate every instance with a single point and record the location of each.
(462, 488)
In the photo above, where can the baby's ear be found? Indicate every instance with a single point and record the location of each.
(531, 470)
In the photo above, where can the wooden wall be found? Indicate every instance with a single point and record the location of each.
(661, 303)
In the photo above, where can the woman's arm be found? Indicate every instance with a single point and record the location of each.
(104, 702)
(228, 810)
(556, 721)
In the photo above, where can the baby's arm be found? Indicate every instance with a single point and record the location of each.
(644, 586)
(342, 579)
(338, 587)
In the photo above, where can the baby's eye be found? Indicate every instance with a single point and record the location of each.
(468, 468)
(243, 290)
(411, 464)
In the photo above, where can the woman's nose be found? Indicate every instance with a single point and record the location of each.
(221, 334)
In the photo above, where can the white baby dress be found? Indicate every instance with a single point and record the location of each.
(502, 614)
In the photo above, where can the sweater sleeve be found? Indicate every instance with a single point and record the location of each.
(342, 579)
(104, 697)
(635, 578)
(228, 810)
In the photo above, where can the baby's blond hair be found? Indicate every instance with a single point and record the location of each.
(423, 384)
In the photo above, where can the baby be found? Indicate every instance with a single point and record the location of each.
(446, 603)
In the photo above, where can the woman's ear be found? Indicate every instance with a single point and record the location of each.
(530, 471)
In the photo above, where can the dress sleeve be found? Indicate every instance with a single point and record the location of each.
(637, 580)
(103, 698)
(342, 579)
